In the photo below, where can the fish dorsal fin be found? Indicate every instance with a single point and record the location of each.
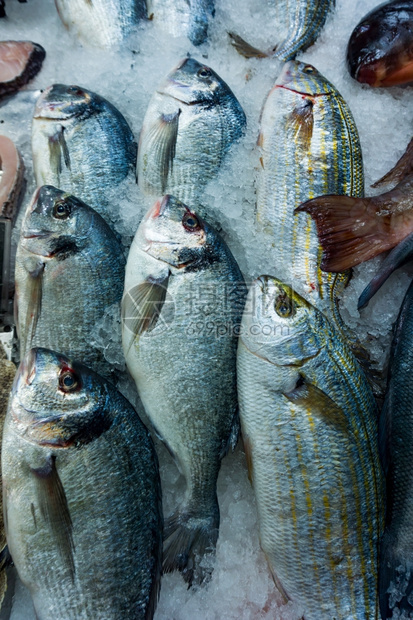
(162, 138)
(55, 510)
(403, 168)
(142, 306)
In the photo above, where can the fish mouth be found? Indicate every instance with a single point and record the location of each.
(37, 234)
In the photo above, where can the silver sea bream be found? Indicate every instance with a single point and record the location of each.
(82, 498)
(309, 424)
(81, 144)
(308, 145)
(191, 122)
(103, 23)
(69, 268)
(182, 306)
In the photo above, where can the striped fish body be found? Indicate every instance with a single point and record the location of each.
(298, 24)
(308, 420)
(81, 144)
(103, 23)
(189, 17)
(81, 494)
(190, 124)
(308, 146)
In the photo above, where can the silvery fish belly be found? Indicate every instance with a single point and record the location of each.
(189, 17)
(103, 23)
(69, 269)
(82, 499)
(191, 122)
(82, 144)
(182, 306)
(309, 424)
(298, 24)
(308, 146)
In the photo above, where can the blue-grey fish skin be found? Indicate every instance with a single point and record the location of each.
(103, 23)
(309, 424)
(396, 439)
(302, 20)
(69, 268)
(189, 17)
(81, 144)
(191, 123)
(81, 494)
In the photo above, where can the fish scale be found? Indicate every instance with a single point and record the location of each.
(309, 423)
(308, 146)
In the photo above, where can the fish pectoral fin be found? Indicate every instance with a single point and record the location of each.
(162, 138)
(307, 395)
(399, 255)
(35, 271)
(142, 306)
(300, 122)
(57, 147)
(232, 440)
(348, 230)
(244, 48)
(55, 510)
(402, 169)
(64, 149)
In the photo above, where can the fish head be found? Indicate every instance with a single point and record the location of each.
(303, 78)
(278, 324)
(192, 82)
(172, 233)
(61, 102)
(380, 49)
(55, 223)
(53, 397)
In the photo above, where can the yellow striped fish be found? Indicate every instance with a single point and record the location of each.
(308, 146)
(309, 423)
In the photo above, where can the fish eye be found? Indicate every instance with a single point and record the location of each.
(308, 69)
(74, 90)
(68, 381)
(204, 72)
(284, 306)
(61, 211)
(190, 222)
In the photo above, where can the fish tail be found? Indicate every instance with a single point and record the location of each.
(395, 580)
(188, 538)
(348, 230)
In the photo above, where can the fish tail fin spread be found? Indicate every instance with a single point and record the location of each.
(244, 48)
(188, 538)
(400, 255)
(348, 229)
(402, 169)
(395, 580)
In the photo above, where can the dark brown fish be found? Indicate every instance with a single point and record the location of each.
(353, 230)
(380, 49)
(20, 61)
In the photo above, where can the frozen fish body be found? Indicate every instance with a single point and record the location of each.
(69, 269)
(298, 24)
(103, 23)
(183, 301)
(82, 498)
(20, 61)
(309, 424)
(190, 124)
(308, 145)
(189, 17)
(81, 144)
